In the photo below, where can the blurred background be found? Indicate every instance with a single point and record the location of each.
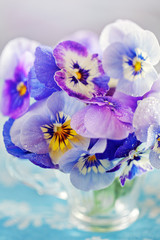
(50, 20)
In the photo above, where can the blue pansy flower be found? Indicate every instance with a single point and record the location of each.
(41, 77)
(88, 168)
(134, 159)
(45, 128)
(130, 59)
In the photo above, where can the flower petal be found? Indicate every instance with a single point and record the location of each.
(69, 159)
(13, 55)
(90, 181)
(37, 89)
(147, 42)
(45, 67)
(106, 124)
(32, 138)
(115, 32)
(129, 144)
(63, 51)
(99, 146)
(42, 160)
(135, 168)
(112, 60)
(146, 114)
(77, 123)
(81, 74)
(154, 158)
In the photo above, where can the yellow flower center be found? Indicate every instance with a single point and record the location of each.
(78, 75)
(22, 89)
(91, 158)
(62, 134)
(137, 66)
(58, 135)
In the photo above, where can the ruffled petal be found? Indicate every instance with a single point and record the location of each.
(90, 181)
(13, 55)
(81, 74)
(107, 125)
(69, 159)
(113, 59)
(42, 160)
(16, 129)
(115, 32)
(45, 67)
(147, 42)
(146, 114)
(32, 137)
(37, 89)
(127, 100)
(77, 123)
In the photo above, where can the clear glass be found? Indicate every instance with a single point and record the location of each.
(110, 209)
(43, 180)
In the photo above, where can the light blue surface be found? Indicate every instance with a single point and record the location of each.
(26, 215)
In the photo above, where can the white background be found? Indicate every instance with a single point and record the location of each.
(47, 21)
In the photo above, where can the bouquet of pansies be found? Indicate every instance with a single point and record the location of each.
(89, 106)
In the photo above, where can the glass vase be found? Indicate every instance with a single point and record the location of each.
(110, 209)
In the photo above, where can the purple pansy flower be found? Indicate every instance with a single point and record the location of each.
(131, 60)
(81, 73)
(105, 117)
(16, 60)
(146, 122)
(134, 159)
(88, 168)
(41, 81)
(45, 128)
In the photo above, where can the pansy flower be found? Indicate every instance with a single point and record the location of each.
(134, 159)
(131, 61)
(104, 117)
(88, 168)
(16, 60)
(146, 122)
(81, 73)
(45, 128)
(41, 81)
